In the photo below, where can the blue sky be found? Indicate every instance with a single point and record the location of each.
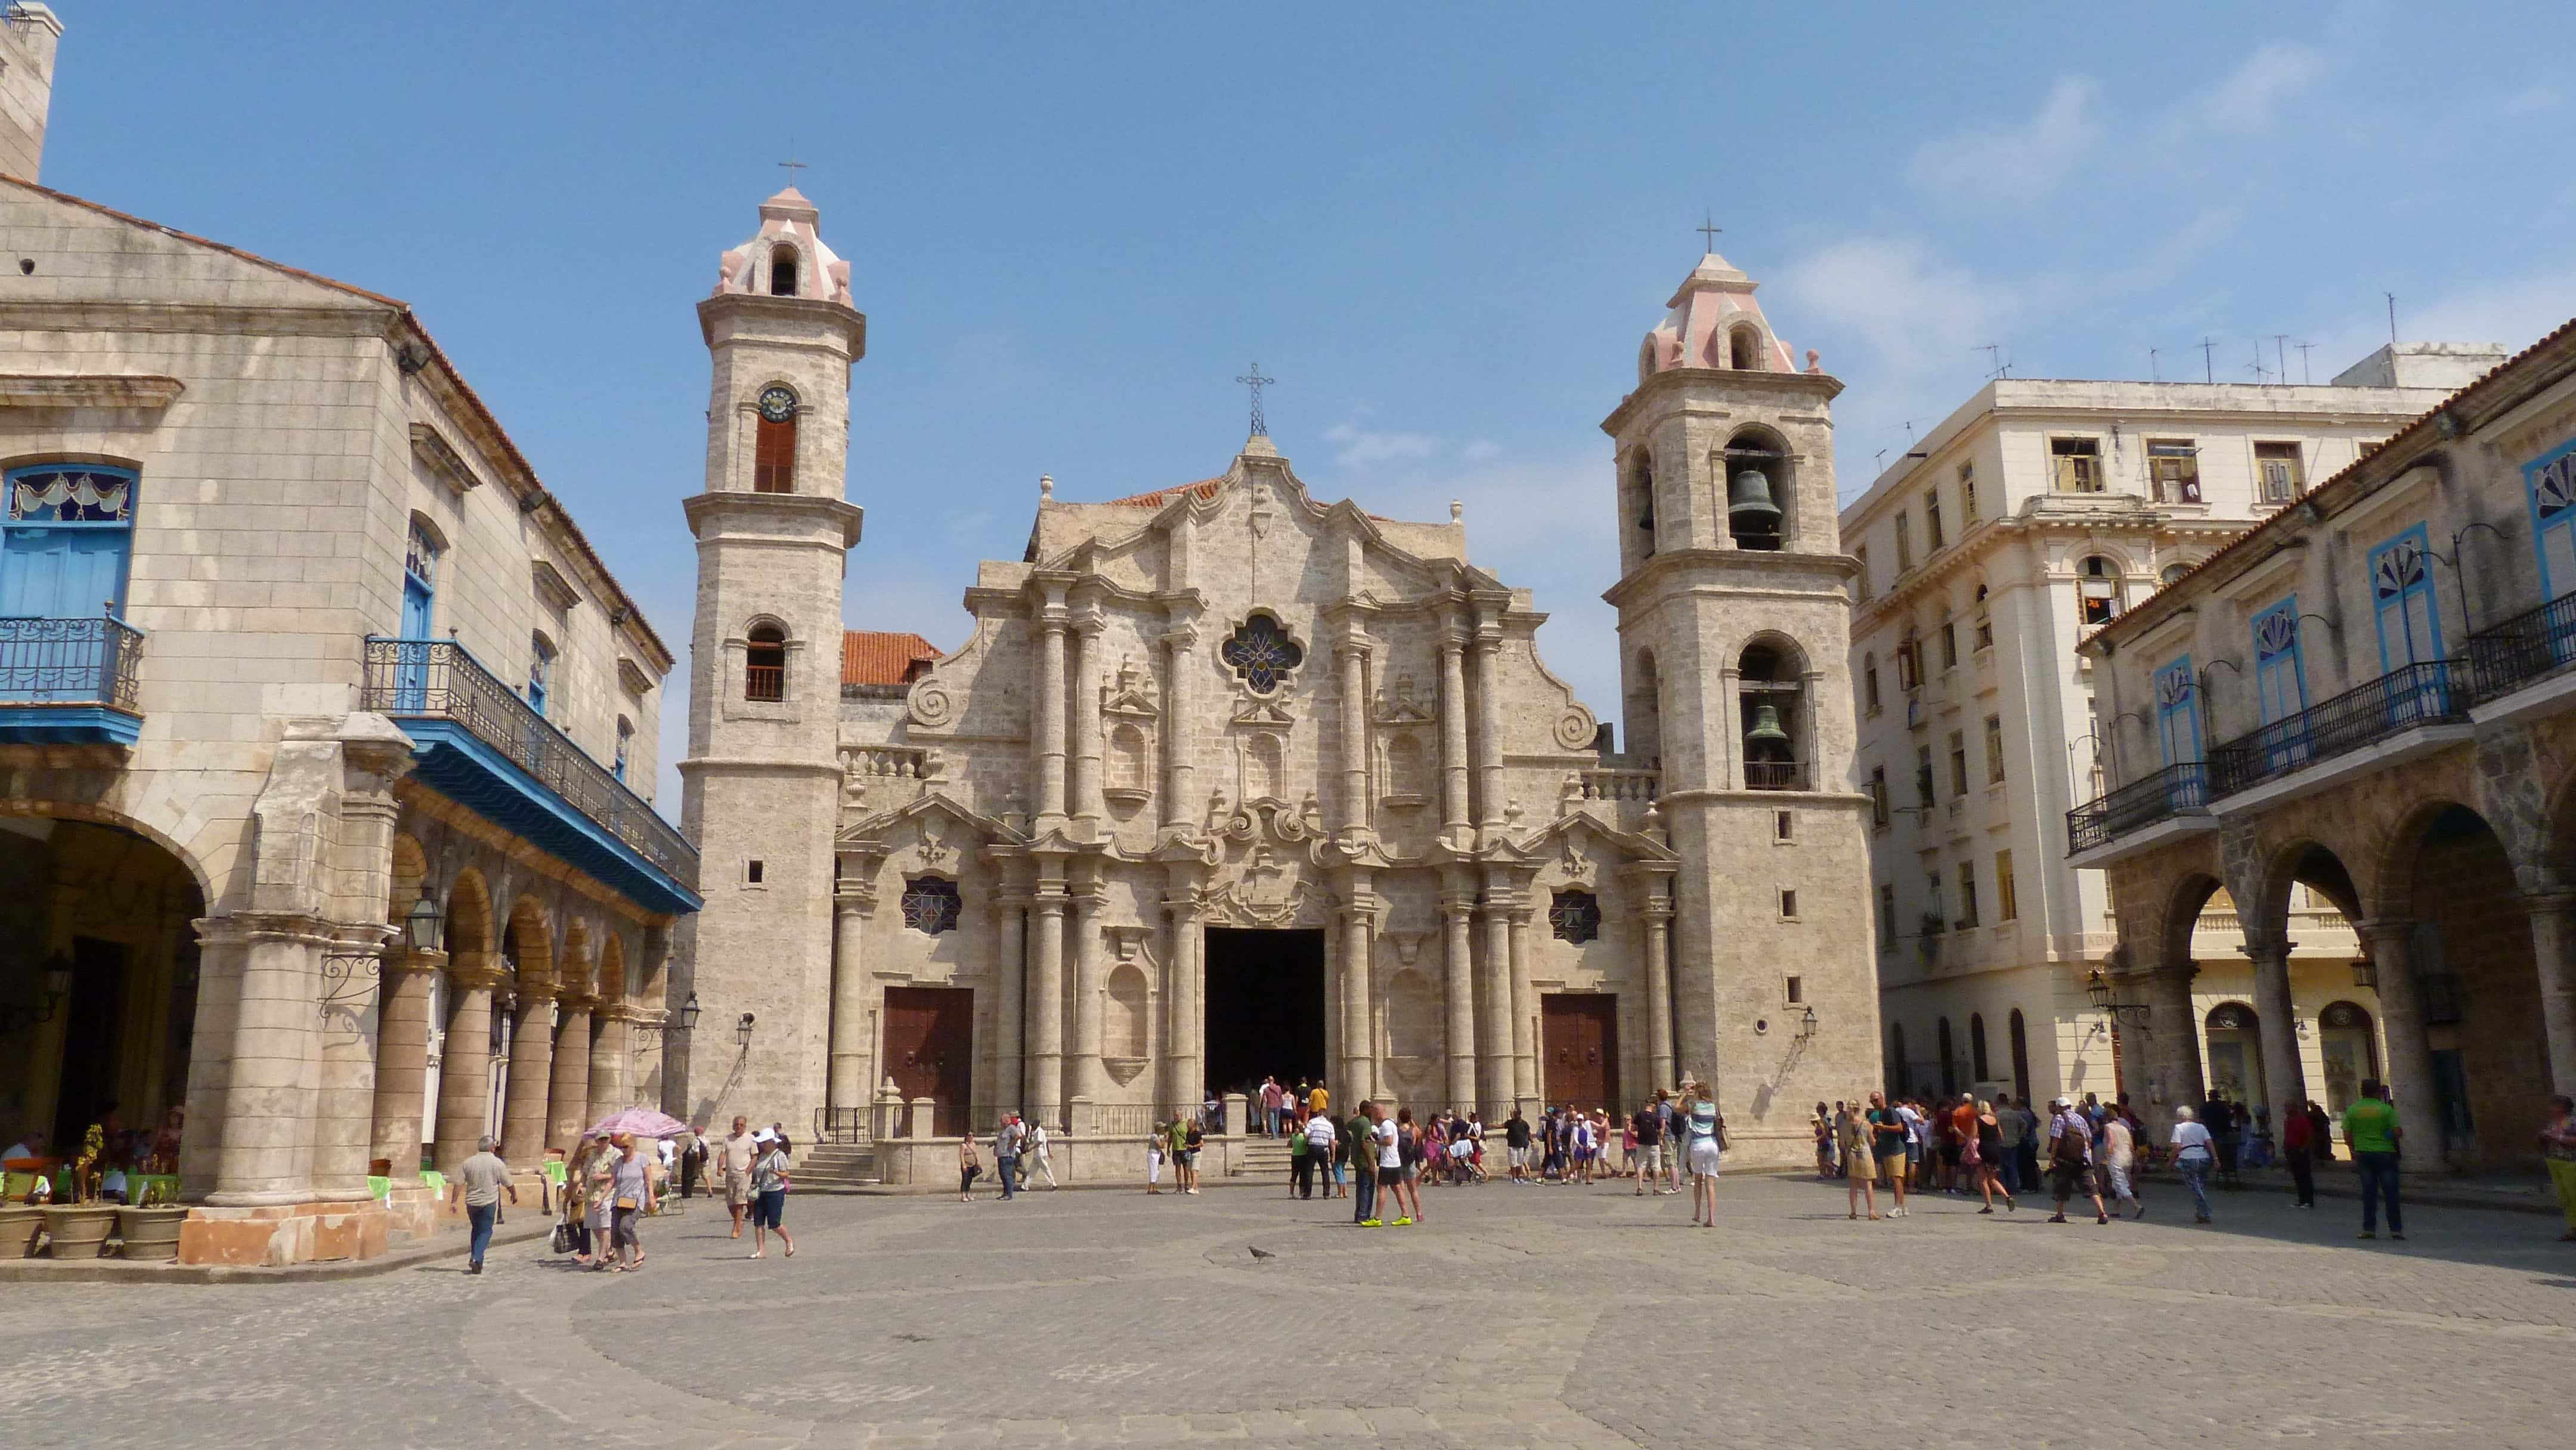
(1442, 231)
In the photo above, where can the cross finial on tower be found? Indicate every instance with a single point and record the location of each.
(1709, 228)
(792, 166)
(1255, 381)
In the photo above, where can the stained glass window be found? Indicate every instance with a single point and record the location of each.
(1261, 653)
(1576, 916)
(71, 493)
(930, 904)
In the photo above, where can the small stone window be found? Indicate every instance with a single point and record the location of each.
(1575, 917)
(930, 904)
(764, 667)
(1261, 653)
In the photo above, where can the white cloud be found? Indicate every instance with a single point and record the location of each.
(1479, 451)
(2019, 161)
(2253, 94)
(1363, 446)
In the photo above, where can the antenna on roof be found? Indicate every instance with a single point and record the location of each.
(2152, 375)
(1994, 367)
(1882, 460)
(2281, 354)
(2304, 375)
(2208, 370)
(2261, 373)
(2392, 317)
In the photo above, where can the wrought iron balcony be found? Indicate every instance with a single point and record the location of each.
(438, 684)
(1774, 775)
(2158, 797)
(2431, 692)
(69, 680)
(2505, 657)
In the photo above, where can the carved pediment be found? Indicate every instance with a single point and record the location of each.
(1267, 893)
(1130, 693)
(1401, 703)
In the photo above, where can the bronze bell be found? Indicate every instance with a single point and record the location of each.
(1766, 727)
(1748, 503)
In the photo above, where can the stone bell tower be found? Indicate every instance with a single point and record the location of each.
(1734, 610)
(774, 534)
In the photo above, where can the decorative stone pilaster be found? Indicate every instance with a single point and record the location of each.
(1457, 911)
(1454, 816)
(1360, 911)
(1045, 1089)
(1494, 1000)
(853, 1047)
(1090, 1076)
(1658, 971)
(1489, 729)
(1052, 623)
(1352, 653)
(1186, 899)
(1180, 646)
(1086, 804)
(402, 1058)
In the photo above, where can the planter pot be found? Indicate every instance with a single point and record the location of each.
(18, 1225)
(151, 1234)
(78, 1233)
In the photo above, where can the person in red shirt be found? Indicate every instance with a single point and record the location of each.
(1961, 1121)
(2298, 1149)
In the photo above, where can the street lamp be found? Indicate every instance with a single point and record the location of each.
(1807, 1025)
(425, 926)
(689, 1014)
(2365, 973)
(742, 1031)
(2098, 987)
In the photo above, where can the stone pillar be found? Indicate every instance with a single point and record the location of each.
(2284, 1081)
(1010, 918)
(465, 1062)
(608, 1086)
(402, 1058)
(1090, 1078)
(1182, 1029)
(2410, 1054)
(1045, 1092)
(1180, 644)
(1524, 1012)
(524, 1118)
(1086, 804)
(1454, 817)
(2553, 937)
(1489, 731)
(269, 1090)
(568, 1094)
(1050, 693)
(2175, 1078)
(1457, 908)
(1659, 991)
(1359, 930)
(1354, 657)
(853, 1027)
(1494, 999)
(343, 1130)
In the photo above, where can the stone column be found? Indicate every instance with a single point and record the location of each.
(1090, 1078)
(1659, 991)
(568, 1094)
(1354, 657)
(2284, 1080)
(465, 1062)
(1010, 917)
(524, 1123)
(848, 1087)
(1524, 1011)
(1180, 644)
(1494, 997)
(343, 1130)
(269, 1090)
(1489, 730)
(1454, 817)
(2410, 1055)
(2174, 1023)
(1457, 908)
(1050, 695)
(402, 1058)
(1359, 931)
(2553, 937)
(1086, 804)
(608, 1058)
(1182, 1077)
(1046, 1008)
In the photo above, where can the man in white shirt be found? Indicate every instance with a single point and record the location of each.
(1033, 1156)
(1390, 1159)
(740, 1149)
(2195, 1153)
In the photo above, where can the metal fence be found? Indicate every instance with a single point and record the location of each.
(2507, 656)
(438, 679)
(2430, 692)
(81, 661)
(2168, 792)
(1775, 775)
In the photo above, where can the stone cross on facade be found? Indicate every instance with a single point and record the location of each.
(1709, 228)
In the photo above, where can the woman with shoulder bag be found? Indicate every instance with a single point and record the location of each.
(572, 1232)
(968, 1166)
(769, 1198)
(630, 1198)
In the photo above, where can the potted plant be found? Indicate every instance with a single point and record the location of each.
(18, 1225)
(79, 1229)
(150, 1228)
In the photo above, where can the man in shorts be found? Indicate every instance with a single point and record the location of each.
(1362, 1137)
(1650, 1148)
(1887, 1148)
(740, 1152)
(1516, 1144)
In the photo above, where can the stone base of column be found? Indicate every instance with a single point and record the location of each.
(273, 1237)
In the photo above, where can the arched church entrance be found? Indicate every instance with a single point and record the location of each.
(1265, 1008)
(98, 988)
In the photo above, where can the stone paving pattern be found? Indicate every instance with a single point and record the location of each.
(1548, 1316)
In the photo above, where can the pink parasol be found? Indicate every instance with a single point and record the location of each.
(640, 1122)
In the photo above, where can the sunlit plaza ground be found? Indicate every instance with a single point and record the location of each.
(1546, 1316)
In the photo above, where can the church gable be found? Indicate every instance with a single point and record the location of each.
(84, 252)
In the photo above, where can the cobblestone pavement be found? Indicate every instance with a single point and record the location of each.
(1541, 1316)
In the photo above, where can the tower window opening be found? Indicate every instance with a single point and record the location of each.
(1744, 350)
(1770, 694)
(764, 665)
(1753, 492)
(782, 272)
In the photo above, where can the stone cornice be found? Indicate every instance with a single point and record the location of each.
(1818, 387)
(143, 392)
(803, 507)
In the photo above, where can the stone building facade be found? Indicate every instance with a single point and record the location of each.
(316, 712)
(2364, 700)
(1230, 781)
(2034, 514)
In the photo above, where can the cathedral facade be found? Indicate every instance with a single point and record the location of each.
(1229, 781)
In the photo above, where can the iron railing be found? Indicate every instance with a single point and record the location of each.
(2143, 802)
(1775, 775)
(2429, 692)
(78, 661)
(438, 679)
(2505, 657)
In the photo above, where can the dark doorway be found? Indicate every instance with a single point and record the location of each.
(91, 1036)
(929, 1050)
(1265, 1008)
(1579, 1035)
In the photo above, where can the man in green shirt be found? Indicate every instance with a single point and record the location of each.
(2370, 1130)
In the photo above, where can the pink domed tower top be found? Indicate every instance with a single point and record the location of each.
(1713, 322)
(786, 257)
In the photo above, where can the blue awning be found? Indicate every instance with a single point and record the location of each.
(68, 725)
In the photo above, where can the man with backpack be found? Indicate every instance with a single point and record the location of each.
(2070, 1159)
(1649, 1128)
